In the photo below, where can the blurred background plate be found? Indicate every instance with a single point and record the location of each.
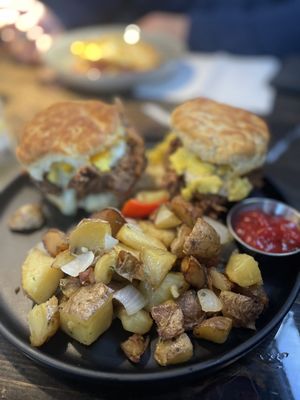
(60, 59)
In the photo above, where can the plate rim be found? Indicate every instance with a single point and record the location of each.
(201, 367)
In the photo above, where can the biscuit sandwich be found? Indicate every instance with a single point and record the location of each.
(213, 151)
(82, 154)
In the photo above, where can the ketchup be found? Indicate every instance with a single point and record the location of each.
(269, 233)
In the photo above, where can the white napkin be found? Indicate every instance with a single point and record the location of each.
(240, 81)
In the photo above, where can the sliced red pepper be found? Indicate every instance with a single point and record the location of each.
(134, 208)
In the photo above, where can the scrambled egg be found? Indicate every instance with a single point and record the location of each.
(206, 178)
(108, 158)
(200, 176)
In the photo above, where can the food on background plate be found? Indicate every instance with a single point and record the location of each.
(213, 153)
(111, 54)
(28, 217)
(109, 267)
(82, 154)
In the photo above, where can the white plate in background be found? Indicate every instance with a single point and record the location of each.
(60, 59)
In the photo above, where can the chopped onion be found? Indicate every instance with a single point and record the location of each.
(209, 301)
(220, 228)
(131, 298)
(79, 264)
(109, 242)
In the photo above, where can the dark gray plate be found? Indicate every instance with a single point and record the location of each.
(104, 360)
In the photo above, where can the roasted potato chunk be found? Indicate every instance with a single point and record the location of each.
(105, 267)
(215, 329)
(69, 286)
(185, 211)
(173, 351)
(139, 322)
(129, 267)
(157, 263)
(169, 319)
(87, 313)
(39, 280)
(89, 234)
(43, 320)
(166, 236)
(218, 279)
(177, 245)
(194, 273)
(243, 270)
(173, 280)
(55, 241)
(134, 347)
(255, 291)
(191, 309)
(113, 216)
(133, 236)
(241, 309)
(165, 218)
(62, 259)
(203, 242)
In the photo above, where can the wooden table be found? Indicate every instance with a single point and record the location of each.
(271, 371)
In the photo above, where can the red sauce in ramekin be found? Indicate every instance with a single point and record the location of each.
(269, 233)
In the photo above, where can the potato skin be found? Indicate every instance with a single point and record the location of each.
(241, 309)
(215, 329)
(191, 309)
(134, 347)
(173, 351)
(177, 244)
(194, 273)
(203, 242)
(55, 241)
(87, 313)
(169, 319)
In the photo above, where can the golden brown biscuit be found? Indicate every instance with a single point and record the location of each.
(220, 134)
(70, 128)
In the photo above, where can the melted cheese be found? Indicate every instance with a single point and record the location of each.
(108, 158)
(203, 177)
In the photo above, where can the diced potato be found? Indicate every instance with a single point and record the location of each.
(135, 346)
(120, 246)
(140, 322)
(177, 245)
(164, 292)
(132, 236)
(194, 272)
(173, 351)
(62, 259)
(165, 218)
(169, 319)
(185, 211)
(69, 285)
(243, 270)
(39, 280)
(215, 329)
(203, 242)
(219, 280)
(43, 321)
(164, 235)
(113, 216)
(89, 234)
(157, 263)
(87, 313)
(105, 266)
(243, 310)
(129, 267)
(55, 241)
(152, 196)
